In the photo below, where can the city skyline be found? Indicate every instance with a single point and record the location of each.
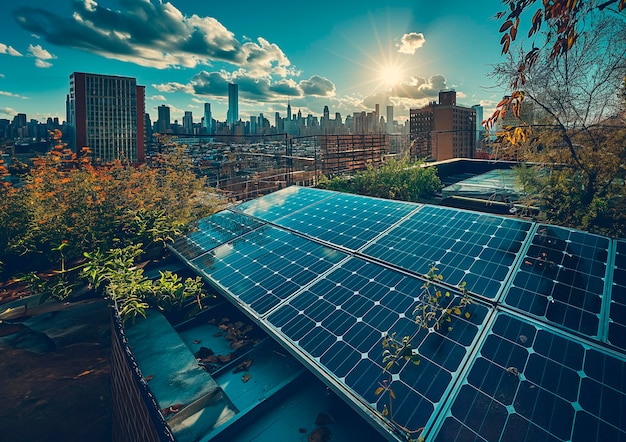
(348, 57)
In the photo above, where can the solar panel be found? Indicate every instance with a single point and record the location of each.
(617, 313)
(347, 220)
(265, 266)
(340, 321)
(330, 274)
(468, 247)
(283, 202)
(213, 231)
(532, 383)
(561, 279)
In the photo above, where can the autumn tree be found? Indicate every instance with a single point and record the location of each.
(65, 199)
(569, 71)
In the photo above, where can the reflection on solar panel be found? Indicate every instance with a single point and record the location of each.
(266, 266)
(278, 204)
(341, 319)
(213, 231)
(476, 248)
(530, 383)
(541, 357)
(562, 277)
(617, 324)
(347, 220)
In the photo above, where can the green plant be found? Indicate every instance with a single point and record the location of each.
(171, 292)
(436, 308)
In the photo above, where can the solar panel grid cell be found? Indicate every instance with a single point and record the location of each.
(350, 311)
(561, 278)
(283, 202)
(266, 266)
(213, 231)
(345, 220)
(531, 383)
(467, 247)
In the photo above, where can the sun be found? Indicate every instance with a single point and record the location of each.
(390, 75)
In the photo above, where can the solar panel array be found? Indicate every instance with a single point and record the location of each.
(540, 354)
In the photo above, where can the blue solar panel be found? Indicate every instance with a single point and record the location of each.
(531, 383)
(561, 279)
(347, 220)
(617, 313)
(283, 202)
(350, 275)
(265, 266)
(213, 231)
(340, 321)
(468, 247)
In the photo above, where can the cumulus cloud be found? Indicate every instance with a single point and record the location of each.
(420, 88)
(5, 49)
(39, 52)
(42, 64)
(210, 83)
(158, 97)
(154, 34)
(250, 87)
(317, 85)
(172, 86)
(410, 42)
(42, 55)
(12, 95)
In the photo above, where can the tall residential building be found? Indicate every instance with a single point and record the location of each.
(106, 114)
(163, 123)
(443, 130)
(233, 104)
(208, 119)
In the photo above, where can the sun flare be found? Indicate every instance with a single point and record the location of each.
(390, 75)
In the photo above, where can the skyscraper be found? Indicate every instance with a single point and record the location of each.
(389, 119)
(233, 104)
(163, 123)
(188, 122)
(208, 119)
(106, 114)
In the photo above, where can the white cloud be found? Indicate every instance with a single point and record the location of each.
(8, 111)
(172, 86)
(39, 52)
(12, 95)
(419, 88)
(42, 64)
(4, 49)
(153, 34)
(410, 42)
(158, 97)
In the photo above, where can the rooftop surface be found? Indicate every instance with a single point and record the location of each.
(541, 355)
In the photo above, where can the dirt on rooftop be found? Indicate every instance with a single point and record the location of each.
(54, 368)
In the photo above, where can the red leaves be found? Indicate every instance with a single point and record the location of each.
(506, 25)
(506, 43)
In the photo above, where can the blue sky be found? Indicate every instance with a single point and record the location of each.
(348, 55)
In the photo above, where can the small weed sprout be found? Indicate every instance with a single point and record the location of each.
(435, 309)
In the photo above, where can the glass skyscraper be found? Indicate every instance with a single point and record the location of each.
(233, 104)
